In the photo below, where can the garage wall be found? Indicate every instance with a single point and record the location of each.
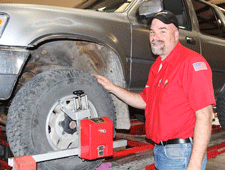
(65, 3)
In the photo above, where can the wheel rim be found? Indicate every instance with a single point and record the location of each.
(61, 131)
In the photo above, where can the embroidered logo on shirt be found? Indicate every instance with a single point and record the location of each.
(146, 86)
(199, 66)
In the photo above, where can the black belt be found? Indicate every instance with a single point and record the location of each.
(175, 141)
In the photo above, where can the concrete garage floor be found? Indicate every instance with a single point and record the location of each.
(217, 163)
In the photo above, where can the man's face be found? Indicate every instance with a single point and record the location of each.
(163, 38)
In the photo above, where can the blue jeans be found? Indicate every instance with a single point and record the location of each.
(174, 157)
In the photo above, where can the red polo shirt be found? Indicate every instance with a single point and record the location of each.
(175, 92)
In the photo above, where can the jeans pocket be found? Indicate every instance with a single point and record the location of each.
(176, 151)
(172, 157)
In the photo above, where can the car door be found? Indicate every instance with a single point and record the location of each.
(212, 35)
(142, 57)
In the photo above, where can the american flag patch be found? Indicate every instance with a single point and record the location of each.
(199, 66)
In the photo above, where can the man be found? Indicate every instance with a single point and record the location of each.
(177, 99)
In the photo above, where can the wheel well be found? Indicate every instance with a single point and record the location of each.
(82, 55)
(87, 56)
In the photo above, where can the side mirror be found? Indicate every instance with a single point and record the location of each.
(150, 8)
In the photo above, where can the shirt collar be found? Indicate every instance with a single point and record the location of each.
(172, 53)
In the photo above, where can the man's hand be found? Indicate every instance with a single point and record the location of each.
(106, 83)
(131, 98)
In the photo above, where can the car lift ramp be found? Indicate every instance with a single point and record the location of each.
(138, 155)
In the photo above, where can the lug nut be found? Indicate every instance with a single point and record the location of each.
(72, 125)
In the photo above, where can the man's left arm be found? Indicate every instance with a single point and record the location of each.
(202, 134)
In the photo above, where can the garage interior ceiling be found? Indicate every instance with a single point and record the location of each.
(220, 3)
(69, 3)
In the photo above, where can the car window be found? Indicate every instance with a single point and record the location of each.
(105, 5)
(209, 23)
(180, 11)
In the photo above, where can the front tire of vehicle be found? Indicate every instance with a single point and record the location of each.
(220, 107)
(34, 114)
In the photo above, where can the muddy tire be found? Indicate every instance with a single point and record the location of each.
(33, 120)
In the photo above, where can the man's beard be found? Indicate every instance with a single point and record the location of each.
(157, 50)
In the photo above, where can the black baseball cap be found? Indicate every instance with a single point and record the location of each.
(166, 17)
